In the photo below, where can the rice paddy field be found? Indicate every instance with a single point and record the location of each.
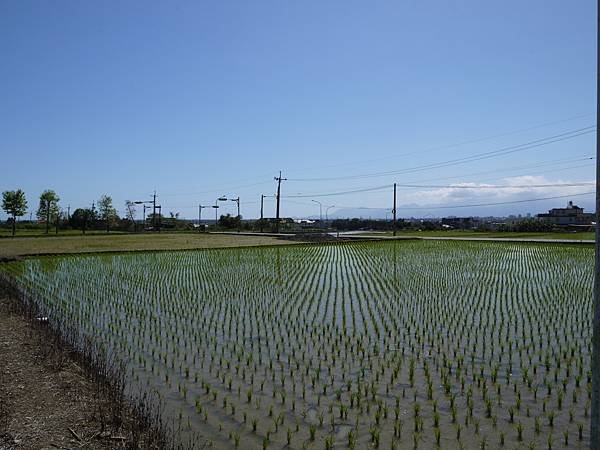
(393, 345)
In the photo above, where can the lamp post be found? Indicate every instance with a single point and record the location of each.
(237, 200)
(140, 202)
(326, 211)
(262, 201)
(320, 209)
(159, 207)
(216, 206)
(200, 208)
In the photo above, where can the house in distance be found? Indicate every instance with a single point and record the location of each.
(570, 216)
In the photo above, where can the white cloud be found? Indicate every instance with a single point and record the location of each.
(456, 195)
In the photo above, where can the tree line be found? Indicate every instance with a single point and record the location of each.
(49, 212)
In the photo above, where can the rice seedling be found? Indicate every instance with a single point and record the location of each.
(481, 342)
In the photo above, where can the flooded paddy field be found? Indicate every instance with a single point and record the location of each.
(369, 344)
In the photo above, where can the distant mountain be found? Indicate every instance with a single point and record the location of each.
(405, 211)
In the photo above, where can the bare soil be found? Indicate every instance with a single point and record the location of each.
(48, 401)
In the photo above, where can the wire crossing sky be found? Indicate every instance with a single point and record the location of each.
(197, 100)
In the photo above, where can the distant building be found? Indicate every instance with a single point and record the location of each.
(571, 215)
(461, 223)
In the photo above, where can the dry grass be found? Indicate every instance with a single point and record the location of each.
(48, 400)
(28, 246)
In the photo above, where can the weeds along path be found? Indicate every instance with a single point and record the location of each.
(48, 398)
(393, 344)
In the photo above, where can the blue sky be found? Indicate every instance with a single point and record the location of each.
(201, 99)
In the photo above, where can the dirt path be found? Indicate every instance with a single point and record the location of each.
(46, 399)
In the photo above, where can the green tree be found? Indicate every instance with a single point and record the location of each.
(82, 218)
(229, 222)
(107, 211)
(48, 208)
(15, 204)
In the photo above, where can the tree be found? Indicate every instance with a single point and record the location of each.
(228, 221)
(82, 218)
(155, 220)
(48, 207)
(15, 204)
(106, 210)
(130, 206)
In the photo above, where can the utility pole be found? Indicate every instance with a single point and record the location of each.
(394, 210)
(68, 212)
(47, 216)
(279, 180)
(262, 201)
(159, 207)
(595, 420)
(154, 211)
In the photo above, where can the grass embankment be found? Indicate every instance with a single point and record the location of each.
(41, 232)
(27, 246)
(495, 234)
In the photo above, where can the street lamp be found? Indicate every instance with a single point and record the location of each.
(326, 211)
(139, 202)
(237, 200)
(200, 208)
(216, 206)
(320, 209)
(262, 202)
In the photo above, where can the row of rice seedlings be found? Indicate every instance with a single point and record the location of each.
(393, 345)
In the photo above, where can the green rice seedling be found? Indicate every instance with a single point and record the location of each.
(352, 439)
(339, 314)
(312, 430)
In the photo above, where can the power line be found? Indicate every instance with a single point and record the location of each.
(475, 157)
(377, 188)
(527, 166)
(500, 203)
(453, 145)
(492, 186)
(529, 200)
(231, 188)
(387, 186)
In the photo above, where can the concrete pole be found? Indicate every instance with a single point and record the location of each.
(595, 419)
(394, 210)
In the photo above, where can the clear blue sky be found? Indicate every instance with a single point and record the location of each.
(194, 99)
